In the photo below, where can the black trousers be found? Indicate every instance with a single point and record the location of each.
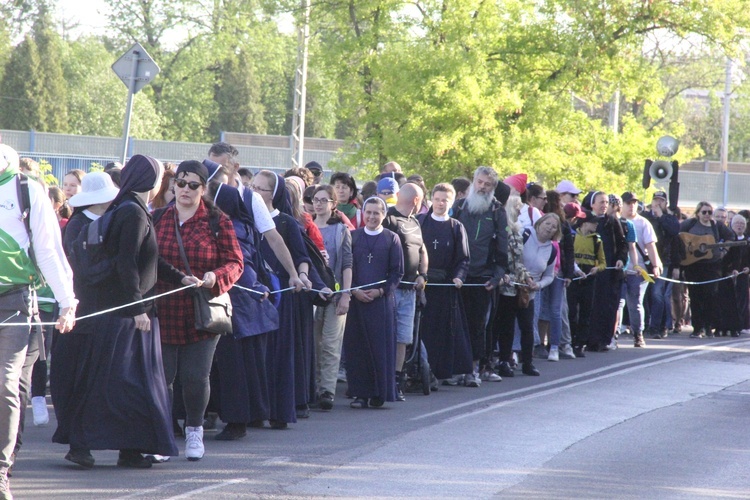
(580, 301)
(504, 326)
(703, 298)
(477, 306)
(607, 291)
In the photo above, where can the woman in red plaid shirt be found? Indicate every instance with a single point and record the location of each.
(214, 258)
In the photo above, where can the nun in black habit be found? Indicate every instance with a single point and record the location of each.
(241, 357)
(444, 329)
(119, 398)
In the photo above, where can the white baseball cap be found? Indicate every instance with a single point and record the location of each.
(567, 187)
(96, 187)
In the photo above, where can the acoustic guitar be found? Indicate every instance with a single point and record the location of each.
(701, 247)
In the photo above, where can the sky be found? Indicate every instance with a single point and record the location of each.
(89, 14)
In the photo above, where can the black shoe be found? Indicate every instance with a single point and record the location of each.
(735, 334)
(579, 352)
(80, 457)
(400, 384)
(133, 459)
(256, 424)
(278, 425)
(376, 402)
(209, 423)
(303, 411)
(530, 369)
(232, 432)
(359, 403)
(504, 370)
(325, 401)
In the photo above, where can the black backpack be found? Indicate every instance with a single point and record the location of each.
(91, 262)
(552, 254)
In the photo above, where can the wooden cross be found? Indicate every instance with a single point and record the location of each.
(369, 258)
(435, 243)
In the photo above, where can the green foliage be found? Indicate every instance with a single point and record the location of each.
(21, 105)
(237, 96)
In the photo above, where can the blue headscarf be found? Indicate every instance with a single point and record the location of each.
(139, 175)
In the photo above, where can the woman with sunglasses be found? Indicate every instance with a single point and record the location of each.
(703, 301)
(331, 319)
(214, 258)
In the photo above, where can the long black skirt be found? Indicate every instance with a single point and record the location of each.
(445, 333)
(118, 395)
(243, 380)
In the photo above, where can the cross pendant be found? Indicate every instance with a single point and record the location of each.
(369, 258)
(435, 243)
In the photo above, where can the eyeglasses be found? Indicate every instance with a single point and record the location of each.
(707, 212)
(541, 198)
(258, 188)
(321, 201)
(193, 185)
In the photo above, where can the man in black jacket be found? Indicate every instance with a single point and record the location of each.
(486, 225)
(666, 226)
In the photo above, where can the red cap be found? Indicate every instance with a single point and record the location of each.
(517, 182)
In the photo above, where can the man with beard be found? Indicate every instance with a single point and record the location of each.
(485, 222)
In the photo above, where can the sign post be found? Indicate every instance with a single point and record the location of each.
(136, 69)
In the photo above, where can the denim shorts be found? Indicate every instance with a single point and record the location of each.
(406, 303)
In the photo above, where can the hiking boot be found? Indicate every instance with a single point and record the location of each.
(638, 340)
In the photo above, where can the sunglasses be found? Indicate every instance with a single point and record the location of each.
(193, 185)
(707, 212)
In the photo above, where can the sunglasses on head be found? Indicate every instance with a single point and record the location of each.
(193, 185)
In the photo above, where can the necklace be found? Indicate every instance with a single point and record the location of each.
(370, 247)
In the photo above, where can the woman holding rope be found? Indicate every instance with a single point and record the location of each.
(196, 237)
(330, 320)
(370, 335)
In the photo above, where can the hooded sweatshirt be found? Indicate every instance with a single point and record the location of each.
(536, 256)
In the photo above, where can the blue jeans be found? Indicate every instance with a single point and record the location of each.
(661, 305)
(634, 288)
(406, 305)
(551, 310)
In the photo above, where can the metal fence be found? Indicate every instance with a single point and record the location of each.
(67, 152)
(731, 190)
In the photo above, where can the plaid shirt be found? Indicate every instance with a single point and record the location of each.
(205, 252)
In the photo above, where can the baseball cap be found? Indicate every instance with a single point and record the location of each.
(660, 194)
(573, 210)
(566, 186)
(628, 197)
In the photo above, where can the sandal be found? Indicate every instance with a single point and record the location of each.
(358, 403)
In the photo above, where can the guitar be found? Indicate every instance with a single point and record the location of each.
(699, 248)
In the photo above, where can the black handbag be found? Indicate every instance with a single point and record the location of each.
(212, 314)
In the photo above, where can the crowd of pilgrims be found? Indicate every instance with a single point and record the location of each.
(497, 274)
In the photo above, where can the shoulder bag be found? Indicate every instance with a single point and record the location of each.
(212, 314)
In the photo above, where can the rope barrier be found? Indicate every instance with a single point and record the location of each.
(346, 290)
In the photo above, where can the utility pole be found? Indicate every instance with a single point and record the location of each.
(725, 128)
(300, 88)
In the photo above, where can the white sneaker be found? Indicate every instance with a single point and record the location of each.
(39, 408)
(554, 354)
(566, 352)
(490, 376)
(472, 380)
(194, 449)
(612, 345)
(454, 380)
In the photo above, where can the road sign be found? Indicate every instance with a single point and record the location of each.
(145, 67)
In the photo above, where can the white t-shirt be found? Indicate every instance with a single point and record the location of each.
(644, 233)
(528, 215)
(48, 250)
(263, 220)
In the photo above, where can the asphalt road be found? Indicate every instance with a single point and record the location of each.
(667, 421)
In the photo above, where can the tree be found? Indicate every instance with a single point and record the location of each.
(21, 106)
(237, 97)
(54, 89)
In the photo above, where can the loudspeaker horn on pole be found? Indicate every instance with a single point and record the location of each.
(660, 171)
(667, 146)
